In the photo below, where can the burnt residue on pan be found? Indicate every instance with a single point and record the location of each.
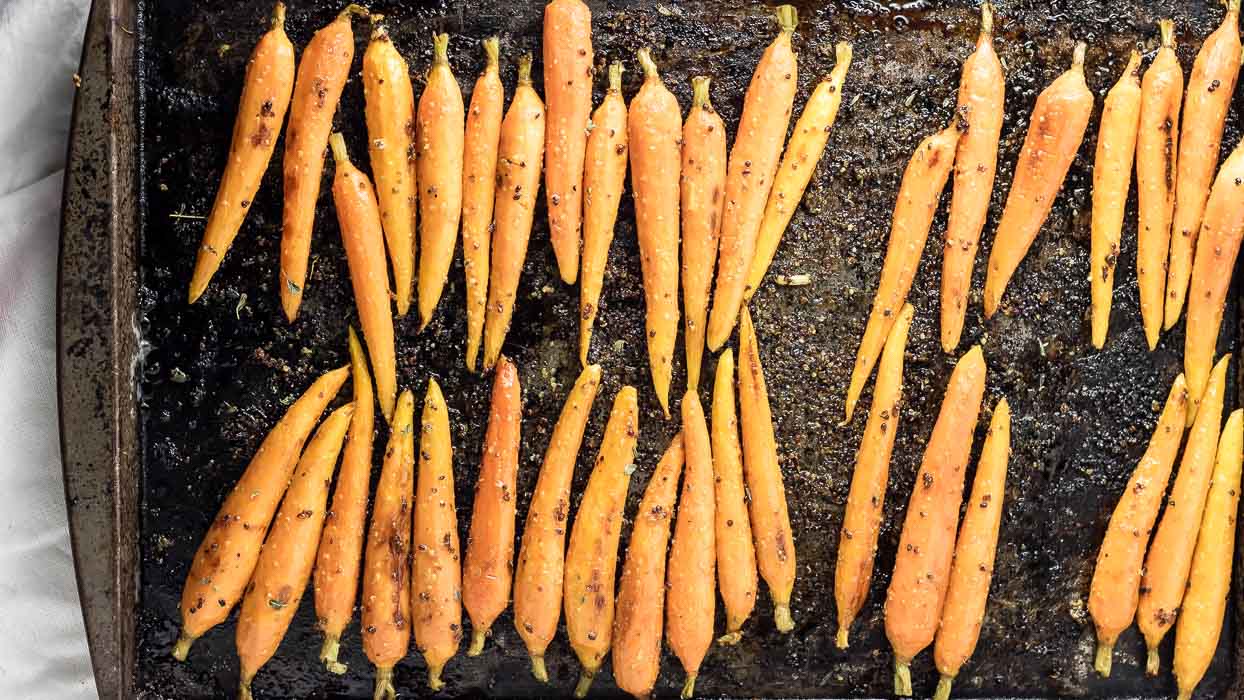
(218, 374)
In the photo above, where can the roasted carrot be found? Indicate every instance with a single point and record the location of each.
(654, 129)
(479, 187)
(288, 554)
(436, 596)
(261, 112)
(703, 181)
(568, 86)
(1055, 131)
(982, 97)
(386, 614)
(975, 548)
(691, 602)
(389, 108)
(1209, 582)
(913, 604)
(1170, 554)
(857, 546)
(736, 555)
(922, 185)
(1112, 177)
(803, 152)
(519, 156)
(541, 557)
(489, 559)
(1115, 590)
(226, 558)
(641, 594)
(749, 176)
(341, 545)
(439, 142)
(603, 181)
(322, 73)
(1210, 87)
(591, 559)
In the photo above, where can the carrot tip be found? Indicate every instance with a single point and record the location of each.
(384, 684)
(477, 642)
(902, 678)
(781, 617)
(731, 638)
(1152, 662)
(1105, 654)
(841, 640)
(538, 670)
(585, 682)
(943, 688)
(434, 677)
(182, 647)
(688, 688)
(328, 654)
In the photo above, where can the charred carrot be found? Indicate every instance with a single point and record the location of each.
(1112, 177)
(226, 558)
(591, 559)
(922, 185)
(1055, 131)
(913, 604)
(541, 557)
(288, 554)
(1115, 590)
(641, 594)
(1170, 554)
(1209, 582)
(975, 548)
(654, 128)
(568, 86)
(322, 72)
(603, 181)
(749, 176)
(490, 545)
(386, 613)
(691, 577)
(857, 546)
(519, 156)
(735, 552)
(982, 97)
(479, 187)
(261, 112)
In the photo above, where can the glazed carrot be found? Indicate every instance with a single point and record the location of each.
(654, 128)
(1210, 87)
(701, 186)
(1209, 582)
(803, 152)
(857, 546)
(436, 595)
(386, 614)
(322, 73)
(225, 559)
(603, 181)
(1055, 131)
(1115, 590)
(288, 554)
(591, 559)
(479, 187)
(1170, 554)
(736, 555)
(922, 185)
(490, 545)
(261, 112)
(541, 557)
(519, 156)
(975, 548)
(359, 219)
(341, 545)
(568, 86)
(1112, 177)
(749, 177)
(389, 110)
(691, 602)
(439, 141)
(982, 97)
(913, 604)
(641, 594)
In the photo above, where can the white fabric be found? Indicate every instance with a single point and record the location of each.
(43, 651)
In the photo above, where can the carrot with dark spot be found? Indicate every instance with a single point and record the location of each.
(736, 554)
(568, 87)
(479, 188)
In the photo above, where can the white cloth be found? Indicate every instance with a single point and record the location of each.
(43, 652)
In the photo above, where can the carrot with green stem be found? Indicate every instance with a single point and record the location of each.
(261, 112)
(479, 187)
(226, 558)
(736, 554)
(568, 87)
(285, 562)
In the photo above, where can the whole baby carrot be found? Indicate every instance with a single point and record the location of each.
(261, 112)
(736, 554)
(479, 187)
(568, 87)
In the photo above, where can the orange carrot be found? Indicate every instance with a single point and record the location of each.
(736, 555)
(568, 85)
(261, 112)
(479, 187)
(225, 559)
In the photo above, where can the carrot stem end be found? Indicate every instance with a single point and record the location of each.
(585, 682)
(782, 618)
(902, 678)
(841, 640)
(1105, 655)
(730, 638)
(943, 687)
(182, 647)
(384, 684)
(538, 670)
(1152, 662)
(477, 642)
(688, 687)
